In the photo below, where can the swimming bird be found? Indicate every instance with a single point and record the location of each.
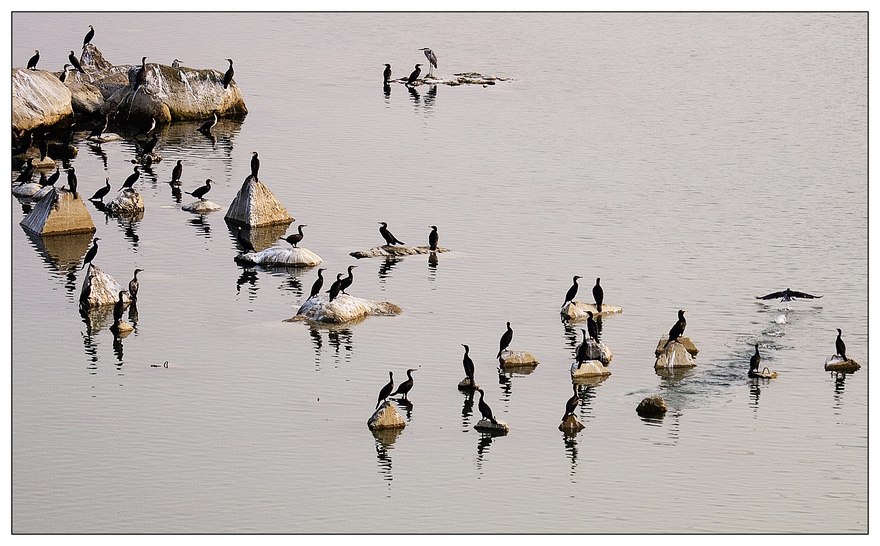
(316, 288)
(200, 192)
(677, 329)
(175, 63)
(406, 386)
(432, 60)
(176, 172)
(387, 73)
(841, 346)
(255, 165)
(56, 175)
(32, 62)
(133, 285)
(572, 292)
(468, 364)
(787, 295)
(598, 295)
(433, 237)
(386, 390)
(208, 125)
(99, 195)
(89, 35)
(485, 410)
(592, 327)
(27, 173)
(227, 78)
(294, 238)
(414, 76)
(117, 309)
(506, 338)
(389, 238)
(572, 403)
(335, 287)
(74, 62)
(63, 76)
(90, 255)
(243, 241)
(754, 362)
(346, 282)
(132, 178)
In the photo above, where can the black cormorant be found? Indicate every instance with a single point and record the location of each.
(677, 329)
(754, 362)
(572, 403)
(133, 285)
(117, 309)
(56, 175)
(63, 76)
(406, 386)
(787, 295)
(387, 72)
(432, 60)
(150, 144)
(71, 181)
(433, 237)
(242, 240)
(295, 238)
(841, 346)
(90, 255)
(572, 292)
(141, 76)
(100, 128)
(335, 287)
(255, 165)
(598, 295)
(468, 364)
(227, 78)
(389, 238)
(386, 390)
(27, 173)
(74, 62)
(32, 63)
(316, 288)
(414, 76)
(208, 125)
(99, 195)
(176, 172)
(581, 355)
(346, 282)
(132, 178)
(200, 192)
(485, 410)
(506, 338)
(175, 63)
(89, 35)
(43, 145)
(592, 327)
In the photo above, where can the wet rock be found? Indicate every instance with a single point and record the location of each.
(765, 374)
(121, 327)
(99, 289)
(571, 425)
(517, 358)
(575, 310)
(386, 417)
(675, 355)
(392, 250)
(837, 364)
(461, 78)
(91, 58)
(127, 201)
(276, 255)
(59, 213)
(589, 368)
(26, 189)
(342, 309)
(85, 98)
(255, 205)
(467, 384)
(686, 341)
(38, 99)
(598, 351)
(201, 207)
(485, 425)
(652, 406)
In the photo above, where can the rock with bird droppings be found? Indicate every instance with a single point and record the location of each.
(686, 341)
(589, 368)
(276, 255)
(512, 359)
(59, 213)
(392, 250)
(255, 205)
(386, 417)
(571, 425)
(342, 309)
(575, 310)
(485, 425)
(652, 406)
(127, 201)
(201, 207)
(838, 364)
(99, 288)
(675, 355)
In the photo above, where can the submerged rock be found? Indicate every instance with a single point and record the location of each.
(255, 205)
(675, 355)
(127, 201)
(571, 425)
(391, 250)
(276, 255)
(837, 364)
(485, 425)
(386, 417)
(201, 207)
(686, 341)
(342, 309)
(575, 310)
(99, 289)
(589, 368)
(467, 384)
(121, 328)
(652, 406)
(58, 213)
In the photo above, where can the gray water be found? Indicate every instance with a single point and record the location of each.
(692, 161)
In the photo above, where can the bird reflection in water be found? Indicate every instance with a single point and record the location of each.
(430, 97)
(586, 394)
(432, 266)
(414, 95)
(202, 225)
(133, 314)
(117, 348)
(839, 384)
(89, 345)
(96, 150)
(176, 192)
(505, 380)
(754, 392)
(386, 90)
(248, 276)
(385, 268)
(570, 333)
(385, 439)
(407, 407)
(129, 229)
(467, 410)
(571, 449)
(483, 445)
(293, 284)
(338, 337)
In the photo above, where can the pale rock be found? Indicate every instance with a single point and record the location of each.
(837, 364)
(255, 205)
(467, 384)
(393, 250)
(571, 425)
(386, 417)
(686, 341)
(26, 189)
(512, 359)
(575, 310)
(59, 213)
(38, 99)
(675, 355)
(485, 425)
(127, 201)
(276, 255)
(589, 368)
(598, 351)
(99, 288)
(201, 207)
(342, 309)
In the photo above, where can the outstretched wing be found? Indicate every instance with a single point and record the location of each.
(803, 295)
(772, 296)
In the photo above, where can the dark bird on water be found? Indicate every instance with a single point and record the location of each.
(90, 255)
(74, 62)
(468, 364)
(176, 172)
(56, 175)
(227, 78)
(787, 295)
(335, 287)
(27, 173)
(387, 73)
(99, 195)
(754, 362)
(432, 60)
(255, 165)
(389, 238)
(677, 329)
(485, 410)
(598, 295)
(89, 35)
(592, 327)
(346, 282)
(147, 148)
(71, 181)
(406, 386)
(32, 62)
(572, 292)
(208, 125)
(414, 76)
(316, 288)
(506, 338)
(841, 346)
(200, 192)
(295, 238)
(43, 145)
(100, 128)
(572, 403)
(133, 285)
(433, 238)
(132, 178)
(386, 390)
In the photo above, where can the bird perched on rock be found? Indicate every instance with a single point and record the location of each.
(132, 178)
(27, 173)
(346, 282)
(592, 327)
(74, 62)
(208, 125)
(99, 195)
(432, 60)
(227, 78)
(177, 172)
(319, 283)
(90, 255)
(387, 73)
(572, 403)
(386, 390)
(148, 146)
(433, 238)
(754, 362)
(200, 192)
(71, 182)
(787, 295)
(65, 70)
(56, 175)
(840, 345)
(255, 165)
(389, 238)
(581, 354)
(414, 75)
(32, 62)
(404, 388)
(89, 35)
(335, 287)
(468, 364)
(133, 285)
(295, 238)
(677, 329)
(598, 295)
(141, 75)
(485, 410)
(506, 338)
(572, 292)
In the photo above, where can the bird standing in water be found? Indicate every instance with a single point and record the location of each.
(677, 329)
(27, 173)
(56, 175)
(335, 287)
(754, 362)
(386, 390)
(200, 192)
(227, 78)
(296, 237)
(389, 238)
(572, 292)
(387, 73)
(346, 282)
(468, 364)
(316, 288)
(32, 62)
(506, 338)
(572, 403)
(432, 60)
(485, 410)
(177, 172)
(406, 386)
(133, 285)
(414, 76)
(243, 241)
(841, 346)
(90, 255)
(89, 35)
(598, 295)
(255, 165)
(433, 238)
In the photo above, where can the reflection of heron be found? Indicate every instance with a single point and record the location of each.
(432, 60)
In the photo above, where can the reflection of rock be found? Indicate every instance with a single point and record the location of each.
(342, 309)
(485, 425)
(255, 205)
(686, 341)
(387, 436)
(127, 202)
(38, 98)
(63, 252)
(386, 417)
(99, 288)
(675, 355)
(585, 380)
(588, 368)
(201, 207)
(391, 250)
(260, 237)
(277, 255)
(571, 425)
(837, 364)
(575, 310)
(467, 384)
(59, 213)
(652, 406)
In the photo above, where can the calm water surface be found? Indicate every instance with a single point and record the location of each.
(692, 161)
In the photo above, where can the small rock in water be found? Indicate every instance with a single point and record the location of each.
(485, 425)
(571, 425)
(652, 406)
(386, 417)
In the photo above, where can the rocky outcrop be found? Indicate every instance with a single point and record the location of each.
(597, 351)
(461, 78)
(342, 309)
(575, 310)
(38, 99)
(276, 255)
(202, 206)
(589, 368)
(686, 341)
(386, 417)
(675, 355)
(652, 406)
(59, 213)
(391, 250)
(844, 365)
(255, 205)
(129, 201)
(99, 289)
(515, 359)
